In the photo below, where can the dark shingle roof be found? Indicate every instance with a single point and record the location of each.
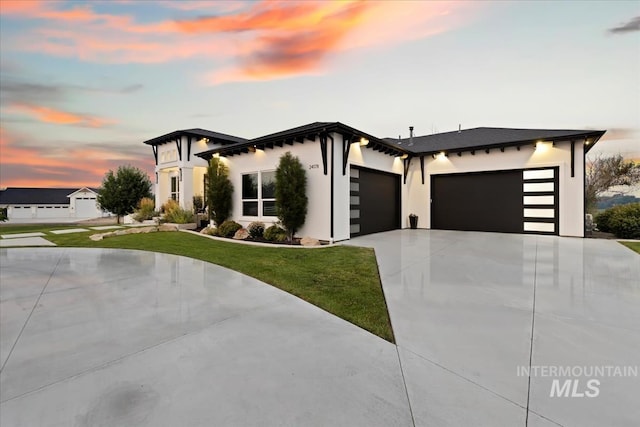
(36, 196)
(299, 134)
(198, 133)
(483, 137)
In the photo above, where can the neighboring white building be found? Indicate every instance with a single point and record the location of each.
(50, 204)
(482, 179)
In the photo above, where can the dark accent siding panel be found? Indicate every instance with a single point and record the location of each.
(479, 201)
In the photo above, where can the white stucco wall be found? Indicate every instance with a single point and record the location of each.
(193, 170)
(571, 220)
(318, 220)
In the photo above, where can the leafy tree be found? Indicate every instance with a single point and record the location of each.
(291, 193)
(122, 191)
(219, 191)
(604, 173)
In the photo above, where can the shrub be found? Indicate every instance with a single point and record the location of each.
(179, 216)
(219, 191)
(228, 228)
(256, 229)
(275, 234)
(291, 193)
(198, 204)
(146, 209)
(175, 214)
(169, 205)
(621, 220)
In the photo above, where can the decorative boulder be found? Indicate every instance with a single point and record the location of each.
(309, 241)
(96, 237)
(241, 234)
(168, 227)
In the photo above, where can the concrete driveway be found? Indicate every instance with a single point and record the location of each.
(99, 337)
(472, 311)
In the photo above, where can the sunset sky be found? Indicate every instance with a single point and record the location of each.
(83, 84)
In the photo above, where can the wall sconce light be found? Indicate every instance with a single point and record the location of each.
(180, 174)
(252, 148)
(364, 142)
(404, 156)
(541, 146)
(442, 155)
(217, 155)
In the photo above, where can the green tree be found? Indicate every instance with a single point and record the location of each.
(121, 191)
(219, 191)
(291, 194)
(604, 173)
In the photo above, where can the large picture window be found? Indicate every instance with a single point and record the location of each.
(259, 194)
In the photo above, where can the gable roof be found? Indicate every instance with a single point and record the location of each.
(198, 133)
(36, 196)
(93, 190)
(487, 137)
(299, 134)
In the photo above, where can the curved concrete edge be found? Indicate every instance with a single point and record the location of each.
(128, 337)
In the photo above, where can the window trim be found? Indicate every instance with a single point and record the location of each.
(259, 200)
(175, 195)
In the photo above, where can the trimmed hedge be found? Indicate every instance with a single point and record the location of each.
(228, 228)
(621, 220)
(275, 234)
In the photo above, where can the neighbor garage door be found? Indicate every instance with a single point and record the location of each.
(375, 201)
(511, 201)
(86, 207)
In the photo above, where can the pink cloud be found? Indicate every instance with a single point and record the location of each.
(52, 115)
(263, 40)
(48, 166)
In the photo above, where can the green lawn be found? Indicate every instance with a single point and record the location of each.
(342, 280)
(634, 246)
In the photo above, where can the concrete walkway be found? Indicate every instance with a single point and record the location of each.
(99, 337)
(470, 309)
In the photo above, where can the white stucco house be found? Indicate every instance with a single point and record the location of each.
(50, 204)
(481, 179)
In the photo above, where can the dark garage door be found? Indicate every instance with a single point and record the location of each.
(375, 201)
(511, 201)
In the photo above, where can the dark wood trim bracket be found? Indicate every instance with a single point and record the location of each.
(188, 148)
(155, 153)
(406, 163)
(422, 168)
(323, 149)
(179, 146)
(346, 147)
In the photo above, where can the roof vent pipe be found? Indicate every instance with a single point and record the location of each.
(410, 136)
(459, 128)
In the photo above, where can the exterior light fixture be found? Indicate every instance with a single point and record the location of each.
(364, 141)
(217, 155)
(404, 156)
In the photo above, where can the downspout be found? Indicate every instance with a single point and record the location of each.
(331, 204)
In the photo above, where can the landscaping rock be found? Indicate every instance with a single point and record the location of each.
(241, 234)
(96, 237)
(309, 241)
(168, 227)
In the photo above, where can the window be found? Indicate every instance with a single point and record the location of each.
(259, 194)
(268, 196)
(175, 188)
